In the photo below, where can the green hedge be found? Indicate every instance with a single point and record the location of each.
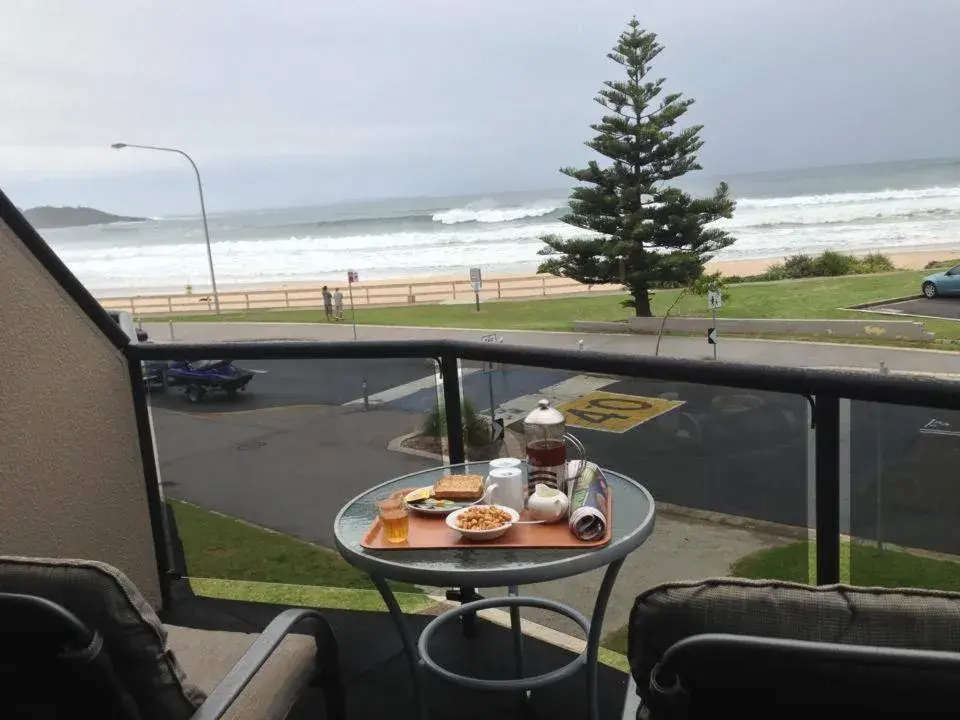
(827, 264)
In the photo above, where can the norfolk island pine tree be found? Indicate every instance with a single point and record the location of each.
(646, 233)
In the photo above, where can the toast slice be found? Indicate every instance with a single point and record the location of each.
(458, 487)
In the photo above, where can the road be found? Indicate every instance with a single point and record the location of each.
(299, 444)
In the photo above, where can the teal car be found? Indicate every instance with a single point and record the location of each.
(942, 284)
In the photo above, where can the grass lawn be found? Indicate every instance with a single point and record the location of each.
(819, 298)
(227, 556)
(859, 565)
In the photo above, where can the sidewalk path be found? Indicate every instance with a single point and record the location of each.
(765, 352)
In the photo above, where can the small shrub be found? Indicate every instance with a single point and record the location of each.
(476, 429)
(874, 263)
(936, 264)
(827, 264)
(799, 266)
(833, 264)
(777, 271)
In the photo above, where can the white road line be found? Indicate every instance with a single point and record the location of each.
(401, 391)
(565, 391)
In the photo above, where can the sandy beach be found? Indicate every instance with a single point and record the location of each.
(440, 289)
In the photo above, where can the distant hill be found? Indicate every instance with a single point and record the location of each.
(59, 217)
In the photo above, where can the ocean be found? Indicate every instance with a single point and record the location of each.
(884, 206)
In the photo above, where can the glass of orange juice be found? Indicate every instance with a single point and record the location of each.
(394, 518)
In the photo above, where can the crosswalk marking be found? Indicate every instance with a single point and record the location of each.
(402, 391)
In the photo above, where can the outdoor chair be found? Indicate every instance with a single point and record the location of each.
(78, 640)
(741, 647)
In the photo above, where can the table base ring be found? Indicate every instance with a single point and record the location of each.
(519, 684)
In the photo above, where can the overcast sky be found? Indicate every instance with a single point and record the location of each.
(287, 102)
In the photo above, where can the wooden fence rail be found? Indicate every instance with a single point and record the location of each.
(364, 295)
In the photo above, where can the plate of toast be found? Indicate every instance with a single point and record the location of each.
(449, 493)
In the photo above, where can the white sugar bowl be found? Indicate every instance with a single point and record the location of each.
(547, 503)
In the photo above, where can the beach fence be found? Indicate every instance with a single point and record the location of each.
(425, 292)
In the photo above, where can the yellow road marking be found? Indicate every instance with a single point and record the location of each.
(614, 412)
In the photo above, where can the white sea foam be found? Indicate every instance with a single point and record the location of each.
(306, 245)
(492, 215)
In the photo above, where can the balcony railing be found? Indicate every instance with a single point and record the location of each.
(840, 454)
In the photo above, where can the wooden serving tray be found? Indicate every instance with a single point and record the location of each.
(431, 533)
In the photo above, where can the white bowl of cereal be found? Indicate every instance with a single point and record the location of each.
(482, 522)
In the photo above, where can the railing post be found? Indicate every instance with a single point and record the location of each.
(451, 405)
(453, 287)
(543, 282)
(170, 304)
(499, 296)
(827, 439)
(286, 298)
(246, 300)
(156, 506)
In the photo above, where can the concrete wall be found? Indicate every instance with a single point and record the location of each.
(876, 329)
(71, 477)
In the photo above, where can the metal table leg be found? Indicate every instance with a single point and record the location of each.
(409, 646)
(516, 629)
(465, 595)
(593, 637)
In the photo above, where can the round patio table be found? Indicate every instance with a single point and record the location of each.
(633, 520)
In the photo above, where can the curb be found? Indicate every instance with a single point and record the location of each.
(888, 301)
(396, 445)
(733, 521)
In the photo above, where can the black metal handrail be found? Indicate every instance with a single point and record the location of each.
(915, 390)
(823, 388)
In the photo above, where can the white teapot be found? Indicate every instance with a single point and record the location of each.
(547, 503)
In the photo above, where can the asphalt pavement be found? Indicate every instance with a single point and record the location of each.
(946, 308)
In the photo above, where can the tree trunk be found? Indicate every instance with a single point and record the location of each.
(641, 302)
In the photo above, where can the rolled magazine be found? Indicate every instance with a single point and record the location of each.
(588, 503)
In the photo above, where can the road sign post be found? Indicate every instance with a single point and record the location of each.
(714, 301)
(477, 281)
(493, 419)
(351, 279)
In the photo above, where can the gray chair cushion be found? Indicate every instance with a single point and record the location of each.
(208, 655)
(135, 639)
(915, 619)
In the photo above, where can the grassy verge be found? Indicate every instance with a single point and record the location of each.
(219, 548)
(819, 298)
(860, 564)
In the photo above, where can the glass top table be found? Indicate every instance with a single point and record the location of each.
(633, 520)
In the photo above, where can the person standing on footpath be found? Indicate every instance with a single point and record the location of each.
(337, 304)
(327, 303)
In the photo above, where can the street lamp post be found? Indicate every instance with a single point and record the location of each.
(203, 209)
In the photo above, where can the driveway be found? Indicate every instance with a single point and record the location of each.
(942, 308)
